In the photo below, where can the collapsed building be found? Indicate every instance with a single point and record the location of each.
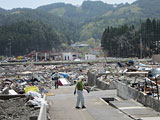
(138, 81)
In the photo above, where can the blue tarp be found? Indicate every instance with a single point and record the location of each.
(131, 62)
(65, 75)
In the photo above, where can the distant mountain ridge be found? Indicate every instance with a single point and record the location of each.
(95, 16)
(2, 11)
(87, 10)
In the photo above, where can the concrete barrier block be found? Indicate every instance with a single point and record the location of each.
(94, 81)
(155, 105)
(141, 98)
(148, 101)
(122, 90)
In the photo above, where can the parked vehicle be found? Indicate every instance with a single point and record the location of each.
(154, 73)
(3, 61)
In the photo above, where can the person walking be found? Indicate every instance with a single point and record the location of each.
(55, 79)
(80, 98)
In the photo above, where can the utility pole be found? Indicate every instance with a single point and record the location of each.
(140, 46)
(45, 56)
(36, 57)
(10, 48)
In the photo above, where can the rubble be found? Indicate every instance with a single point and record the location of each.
(32, 82)
(14, 109)
(141, 76)
(17, 81)
(35, 80)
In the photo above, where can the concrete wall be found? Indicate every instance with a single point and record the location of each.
(126, 92)
(94, 81)
(91, 78)
(104, 85)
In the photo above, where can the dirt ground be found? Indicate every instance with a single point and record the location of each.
(15, 109)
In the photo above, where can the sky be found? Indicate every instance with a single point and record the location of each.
(9, 4)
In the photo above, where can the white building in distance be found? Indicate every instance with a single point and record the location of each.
(90, 57)
(67, 56)
(70, 56)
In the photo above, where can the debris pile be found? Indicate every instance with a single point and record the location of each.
(21, 91)
(22, 87)
(15, 109)
(142, 76)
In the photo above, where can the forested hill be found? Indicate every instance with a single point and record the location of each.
(134, 13)
(126, 41)
(94, 16)
(28, 36)
(18, 15)
(89, 9)
(57, 30)
(149, 8)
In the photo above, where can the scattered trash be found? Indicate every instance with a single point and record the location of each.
(31, 88)
(35, 81)
(12, 92)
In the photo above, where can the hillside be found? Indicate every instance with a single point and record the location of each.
(28, 36)
(88, 21)
(149, 8)
(2, 11)
(88, 17)
(89, 9)
(94, 16)
(124, 41)
(129, 14)
(17, 15)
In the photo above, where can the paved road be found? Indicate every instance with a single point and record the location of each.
(62, 106)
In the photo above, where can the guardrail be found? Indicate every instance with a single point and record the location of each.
(64, 62)
(43, 111)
